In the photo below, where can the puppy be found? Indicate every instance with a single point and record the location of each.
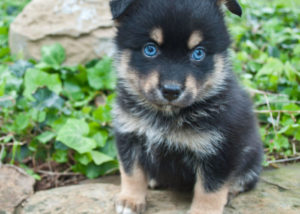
(181, 120)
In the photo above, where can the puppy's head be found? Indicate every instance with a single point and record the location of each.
(172, 53)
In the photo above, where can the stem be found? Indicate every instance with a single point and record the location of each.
(284, 160)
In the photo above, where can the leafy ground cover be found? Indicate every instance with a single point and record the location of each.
(266, 58)
(55, 120)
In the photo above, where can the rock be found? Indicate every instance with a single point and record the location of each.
(96, 199)
(91, 198)
(83, 27)
(15, 187)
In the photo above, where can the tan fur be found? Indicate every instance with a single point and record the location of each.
(133, 190)
(194, 40)
(126, 73)
(220, 2)
(208, 203)
(157, 36)
(150, 82)
(216, 80)
(218, 74)
(191, 85)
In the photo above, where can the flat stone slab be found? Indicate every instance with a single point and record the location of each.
(15, 187)
(278, 192)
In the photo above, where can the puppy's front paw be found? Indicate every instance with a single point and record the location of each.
(125, 204)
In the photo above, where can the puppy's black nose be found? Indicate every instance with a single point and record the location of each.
(171, 92)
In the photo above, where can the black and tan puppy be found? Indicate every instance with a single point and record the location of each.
(181, 119)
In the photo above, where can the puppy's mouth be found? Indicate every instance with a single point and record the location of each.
(161, 103)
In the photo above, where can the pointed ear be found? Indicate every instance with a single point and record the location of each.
(233, 6)
(119, 7)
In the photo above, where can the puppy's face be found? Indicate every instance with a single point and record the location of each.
(172, 53)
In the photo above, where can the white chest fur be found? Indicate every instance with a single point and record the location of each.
(156, 134)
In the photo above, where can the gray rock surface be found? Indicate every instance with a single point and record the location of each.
(278, 192)
(83, 27)
(15, 187)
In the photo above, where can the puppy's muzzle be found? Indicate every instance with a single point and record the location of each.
(171, 92)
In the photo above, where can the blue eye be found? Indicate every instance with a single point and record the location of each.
(198, 54)
(150, 50)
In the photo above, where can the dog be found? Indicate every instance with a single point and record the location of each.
(181, 120)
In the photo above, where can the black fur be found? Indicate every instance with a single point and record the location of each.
(234, 7)
(118, 7)
(227, 111)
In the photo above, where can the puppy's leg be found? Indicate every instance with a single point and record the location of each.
(132, 199)
(208, 202)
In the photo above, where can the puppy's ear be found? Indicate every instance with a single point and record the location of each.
(233, 6)
(119, 7)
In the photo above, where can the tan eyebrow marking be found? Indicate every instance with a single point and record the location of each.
(157, 35)
(194, 40)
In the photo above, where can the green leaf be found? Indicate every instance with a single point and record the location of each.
(44, 98)
(12, 83)
(2, 87)
(4, 51)
(22, 121)
(92, 171)
(35, 78)
(19, 68)
(272, 67)
(3, 155)
(291, 107)
(60, 156)
(281, 142)
(110, 148)
(297, 136)
(290, 72)
(72, 134)
(60, 146)
(73, 90)
(84, 159)
(103, 113)
(45, 137)
(296, 50)
(101, 137)
(53, 55)
(101, 76)
(37, 115)
(33, 145)
(3, 30)
(99, 157)
(14, 151)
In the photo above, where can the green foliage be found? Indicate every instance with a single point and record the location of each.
(48, 113)
(53, 56)
(51, 113)
(35, 78)
(8, 11)
(72, 134)
(100, 77)
(266, 58)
